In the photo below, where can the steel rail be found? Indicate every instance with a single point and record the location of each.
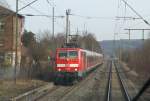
(76, 87)
(109, 83)
(33, 94)
(71, 89)
(38, 93)
(126, 95)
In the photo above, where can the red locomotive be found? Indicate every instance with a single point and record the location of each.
(75, 63)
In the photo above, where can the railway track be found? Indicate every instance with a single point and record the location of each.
(64, 91)
(109, 84)
(37, 94)
(117, 86)
(57, 93)
(33, 94)
(122, 83)
(116, 89)
(131, 88)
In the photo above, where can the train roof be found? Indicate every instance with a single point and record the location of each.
(68, 48)
(92, 53)
(87, 51)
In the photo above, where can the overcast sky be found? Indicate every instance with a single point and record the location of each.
(103, 12)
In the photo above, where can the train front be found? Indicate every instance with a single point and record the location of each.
(67, 65)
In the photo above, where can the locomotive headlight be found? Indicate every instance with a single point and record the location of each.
(59, 69)
(75, 69)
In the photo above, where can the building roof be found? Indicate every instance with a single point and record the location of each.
(5, 11)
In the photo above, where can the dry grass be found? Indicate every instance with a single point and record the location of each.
(128, 70)
(9, 89)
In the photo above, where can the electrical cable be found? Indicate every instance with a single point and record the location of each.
(116, 21)
(92, 17)
(136, 24)
(124, 18)
(33, 8)
(49, 3)
(28, 5)
(49, 16)
(145, 21)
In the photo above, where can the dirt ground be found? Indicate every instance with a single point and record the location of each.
(139, 80)
(9, 89)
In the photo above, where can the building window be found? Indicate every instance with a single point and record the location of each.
(2, 57)
(2, 26)
(1, 43)
(1, 33)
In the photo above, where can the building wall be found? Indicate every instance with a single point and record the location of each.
(8, 39)
(8, 34)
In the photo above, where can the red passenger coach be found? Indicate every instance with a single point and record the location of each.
(74, 63)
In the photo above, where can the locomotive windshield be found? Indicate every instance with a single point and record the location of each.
(73, 54)
(63, 54)
(68, 54)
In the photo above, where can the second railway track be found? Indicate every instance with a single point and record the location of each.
(116, 89)
(62, 92)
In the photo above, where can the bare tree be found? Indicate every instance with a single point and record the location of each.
(139, 59)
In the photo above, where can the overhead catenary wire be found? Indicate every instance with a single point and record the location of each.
(125, 12)
(27, 5)
(116, 21)
(124, 19)
(49, 16)
(145, 21)
(49, 3)
(123, 16)
(38, 11)
(91, 17)
(41, 14)
(103, 18)
(136, 24)
(33, 15)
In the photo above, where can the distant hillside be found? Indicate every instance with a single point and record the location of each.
(110, 46)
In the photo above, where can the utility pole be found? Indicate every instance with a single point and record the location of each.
(120, 50)
(67, 24)
(129, 34)
(143, 34)
(16, 55)
(53, 22)
(69, 30)
(53, 32)
(77, 32)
